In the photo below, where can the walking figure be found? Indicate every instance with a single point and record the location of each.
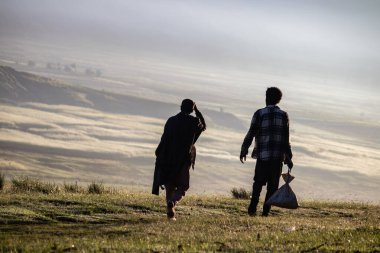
(176, 154)
(270, 128)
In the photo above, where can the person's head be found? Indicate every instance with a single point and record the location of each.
(187, 106)
(273, 96)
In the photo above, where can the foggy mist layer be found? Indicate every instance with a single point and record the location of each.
(327, 40)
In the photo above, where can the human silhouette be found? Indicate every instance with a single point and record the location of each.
(270, 128)
(176, 153)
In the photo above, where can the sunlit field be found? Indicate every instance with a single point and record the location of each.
(71, 218)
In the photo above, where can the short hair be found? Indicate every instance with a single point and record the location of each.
(187, 106)
(273, 95)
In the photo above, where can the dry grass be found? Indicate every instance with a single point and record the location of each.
(72, 188)
(27, 184)
(96, 188)
(136, 222)
(240, 193)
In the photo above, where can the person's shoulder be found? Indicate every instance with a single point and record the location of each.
(258, 113)
(184, 117)
(261, 111)
(282, 112)
(173, 118)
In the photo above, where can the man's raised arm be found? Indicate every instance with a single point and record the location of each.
(202, 123)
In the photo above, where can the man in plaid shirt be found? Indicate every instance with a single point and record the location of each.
(270, 128)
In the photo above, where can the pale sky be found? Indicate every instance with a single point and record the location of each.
(320, 37)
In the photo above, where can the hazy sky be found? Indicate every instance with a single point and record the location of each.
(321, 37)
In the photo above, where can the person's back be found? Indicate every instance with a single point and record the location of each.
(180, 132)
(176, 153)
(271, 132)
(270, 128)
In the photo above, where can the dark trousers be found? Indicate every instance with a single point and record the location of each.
(178, 185)
(266, 172)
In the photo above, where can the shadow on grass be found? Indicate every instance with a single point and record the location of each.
(61, 202)
(62, 230)
(141, 208)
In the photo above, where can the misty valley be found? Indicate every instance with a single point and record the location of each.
(62, 131)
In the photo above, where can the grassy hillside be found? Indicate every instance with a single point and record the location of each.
(129, 221)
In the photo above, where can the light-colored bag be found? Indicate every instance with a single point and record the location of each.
(284, 197)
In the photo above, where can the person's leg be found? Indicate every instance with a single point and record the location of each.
(169, 192)
(256, 190)
(177, 189)
(258, 183)
(170, 189)
(183, 183)
(275, 170)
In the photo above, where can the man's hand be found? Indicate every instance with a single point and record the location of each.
(289, 162)
(243, 155)
(243, 158)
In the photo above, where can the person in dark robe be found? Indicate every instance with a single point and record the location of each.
(176, 153)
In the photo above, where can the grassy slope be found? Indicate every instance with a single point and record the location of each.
(136, 222)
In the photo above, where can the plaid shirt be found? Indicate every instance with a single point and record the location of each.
(270, 127)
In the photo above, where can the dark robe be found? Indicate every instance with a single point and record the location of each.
(174, 151)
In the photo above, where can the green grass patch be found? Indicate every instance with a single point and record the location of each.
(72, 188)
(136, 222)
(96, 188)
(27, 184)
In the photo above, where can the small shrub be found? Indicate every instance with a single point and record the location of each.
(96, 188)
(72, 188)
(22, 184)
(26, 184)
(240, 193)
(2, 180)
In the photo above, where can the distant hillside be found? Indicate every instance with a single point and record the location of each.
(18, 87)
